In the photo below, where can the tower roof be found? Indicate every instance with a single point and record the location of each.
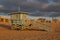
(18, 13)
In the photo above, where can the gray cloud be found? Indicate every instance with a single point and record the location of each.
(46, 14)
(56, 0)
(43, 6)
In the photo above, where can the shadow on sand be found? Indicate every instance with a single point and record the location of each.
(9, 28)
(5, 26)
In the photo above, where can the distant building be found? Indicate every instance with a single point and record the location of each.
(28, 21)
(41, 20)
(55, 20)
(4, 20)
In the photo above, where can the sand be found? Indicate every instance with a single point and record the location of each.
(6, 34)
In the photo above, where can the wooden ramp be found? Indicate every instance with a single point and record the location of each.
(42, 26)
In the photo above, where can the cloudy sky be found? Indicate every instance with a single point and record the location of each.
(49, 8)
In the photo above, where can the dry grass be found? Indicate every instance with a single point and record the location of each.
(6, 34)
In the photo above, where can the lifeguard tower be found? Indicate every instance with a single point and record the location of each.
(18, 19)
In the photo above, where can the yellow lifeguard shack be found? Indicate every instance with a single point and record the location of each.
(18, 18)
